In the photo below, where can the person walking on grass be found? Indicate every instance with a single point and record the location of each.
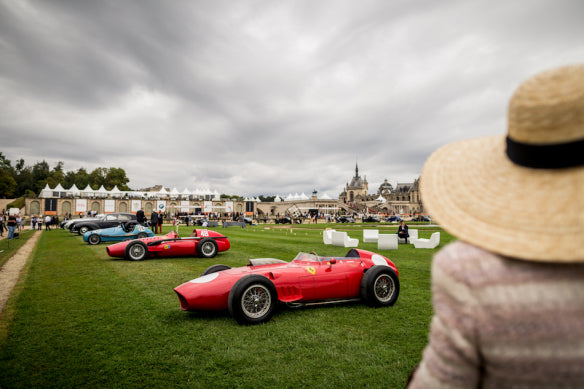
(11, 224)
(509, 295)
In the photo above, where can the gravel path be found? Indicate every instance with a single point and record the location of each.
(10, 272)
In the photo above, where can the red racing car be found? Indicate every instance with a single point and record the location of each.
(251, 293)
(204, 243)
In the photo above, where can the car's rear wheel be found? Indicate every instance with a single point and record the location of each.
(380, 286)
(207, 248)
(215, 269)
(94, 239)
(142, 235)
(136, 251)
(252, 300)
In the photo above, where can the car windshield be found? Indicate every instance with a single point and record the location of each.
(307, 257)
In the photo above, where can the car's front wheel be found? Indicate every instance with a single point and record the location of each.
(83, 230)
(207, 248)
(380, 286)
(136, 251)
(94, 239)
(142, 235)
(252, 300)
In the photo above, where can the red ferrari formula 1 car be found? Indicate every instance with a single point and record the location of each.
(204, 243)
(251, 293)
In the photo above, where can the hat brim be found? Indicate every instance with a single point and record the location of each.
(476, 193)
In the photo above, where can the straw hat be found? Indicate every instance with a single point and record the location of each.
(519, 195)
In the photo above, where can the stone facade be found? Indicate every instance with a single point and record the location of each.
(404, 199)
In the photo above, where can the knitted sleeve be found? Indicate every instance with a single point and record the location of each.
(451, 359)
(501, 322)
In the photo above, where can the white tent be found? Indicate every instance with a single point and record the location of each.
(277, 199)
(59, 188)
(162, 192)
(102, 191)
(325, 197)
(46, 192)
(115, 192)
(73, 190)
(88, 191)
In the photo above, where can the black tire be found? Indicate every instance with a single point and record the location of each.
(214, 269)
(136, 251)
(207, 248)
(83, 229)
(380, 286)
(93, 239)
(252, 300)
(142, 235)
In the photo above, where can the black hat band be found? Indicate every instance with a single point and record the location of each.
(554, 156)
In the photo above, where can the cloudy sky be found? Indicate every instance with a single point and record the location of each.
(267, 97)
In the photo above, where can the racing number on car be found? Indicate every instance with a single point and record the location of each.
(204, 233)
(140, 228)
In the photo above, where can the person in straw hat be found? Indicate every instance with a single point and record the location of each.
(508, 296)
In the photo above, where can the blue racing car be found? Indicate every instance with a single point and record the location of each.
(125, 231)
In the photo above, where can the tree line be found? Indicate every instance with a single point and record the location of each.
(21, 179)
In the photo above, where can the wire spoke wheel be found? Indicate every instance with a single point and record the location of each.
(256, 301)
(137, 251)
(384, 287)
(208, 248)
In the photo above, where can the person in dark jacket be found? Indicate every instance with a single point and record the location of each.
(160, 219)
(154, 221)
(140, 217)
(402, 231)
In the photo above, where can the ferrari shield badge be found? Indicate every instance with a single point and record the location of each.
(311, 270)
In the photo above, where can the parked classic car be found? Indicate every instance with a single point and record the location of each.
(394, 219)
(246, 220)
(204, 243)
(421, 218)
(67, 225)
(345, 219)
(371, 219)
(125, 231)
(250, 293)
(109, 220)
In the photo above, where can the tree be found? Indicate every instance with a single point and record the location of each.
(7, 184)
(81, 178)
(97, 177)
(116, 176)
(40, 174)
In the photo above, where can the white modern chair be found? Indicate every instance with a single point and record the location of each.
(411, 239)
(431, 243)
(341, 239)
(327, 236)
(387, 242)
(370, 236)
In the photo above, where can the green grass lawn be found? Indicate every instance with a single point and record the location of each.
(82, 319)
(9, 247)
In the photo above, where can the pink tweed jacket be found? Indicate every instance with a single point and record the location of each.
(503, 323)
